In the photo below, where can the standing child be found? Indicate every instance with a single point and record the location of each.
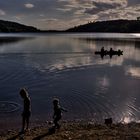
(26, 110)
(57, 113)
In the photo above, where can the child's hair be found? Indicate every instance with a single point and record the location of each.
(23, 93)
(55, 101)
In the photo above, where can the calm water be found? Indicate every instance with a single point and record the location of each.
(66, 67)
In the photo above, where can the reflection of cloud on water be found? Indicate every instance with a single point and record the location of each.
(57, 62)
(130, 52)
(118, 61)
(133, 71)
(60, 43)
(136, 35)
(103, 82)
(11, 40)
(67, 63)
(136, 55)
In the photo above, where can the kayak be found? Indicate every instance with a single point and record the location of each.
(119, 52)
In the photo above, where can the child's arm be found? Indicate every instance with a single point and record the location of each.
(63, 109)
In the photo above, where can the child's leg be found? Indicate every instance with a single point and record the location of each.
(27, 122)
(27, 119)
(23, 123)
(56, 122)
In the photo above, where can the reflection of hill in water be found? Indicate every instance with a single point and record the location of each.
(88, 39)
(8, 40)
(110, 42)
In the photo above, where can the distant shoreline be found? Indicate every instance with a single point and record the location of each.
(110, 26)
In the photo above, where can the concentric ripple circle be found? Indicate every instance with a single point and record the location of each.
(8, 107)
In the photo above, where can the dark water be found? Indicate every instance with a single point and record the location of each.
(66, 67)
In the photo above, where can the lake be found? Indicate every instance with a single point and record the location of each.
(65, 66)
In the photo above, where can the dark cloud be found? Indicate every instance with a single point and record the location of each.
(18, 6)
(101, 6)
(133, 2)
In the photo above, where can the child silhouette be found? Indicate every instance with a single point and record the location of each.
(26, 110)
(57, 113)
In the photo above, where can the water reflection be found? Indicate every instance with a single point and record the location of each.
(9, 40)
(133, 71)
(66, 67)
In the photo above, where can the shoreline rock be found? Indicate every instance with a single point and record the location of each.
(78, 131)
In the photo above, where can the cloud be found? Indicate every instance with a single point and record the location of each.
(64, 9)
(48, 20)
(133, 2)
(74, 5)
(2, 13)
(29, 5)
(52, 23)
(130, 13)
(103, 6)
(83, 11)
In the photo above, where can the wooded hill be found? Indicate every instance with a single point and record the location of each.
(117, 26)
(8, 26)
(111, 26)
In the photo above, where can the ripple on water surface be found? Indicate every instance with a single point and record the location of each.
(8, 107)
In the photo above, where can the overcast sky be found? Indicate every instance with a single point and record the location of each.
(62, 14)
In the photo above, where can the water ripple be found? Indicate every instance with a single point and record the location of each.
(8, 107)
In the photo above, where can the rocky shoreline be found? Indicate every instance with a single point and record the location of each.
(77, 131)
